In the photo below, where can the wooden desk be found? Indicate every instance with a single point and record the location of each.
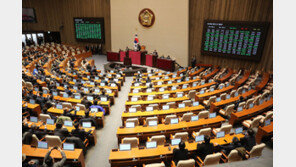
(197, 72)
(34, 107)
(207, 95)
(138, 156)
(248, 113)
(264, 131)
(210, 75)
(242, 80)
(39, 153)
(142, 132)
(156, 101)
(227, 76)
(160, 113)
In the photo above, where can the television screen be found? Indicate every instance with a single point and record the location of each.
(28, 15)
(89, 29)
(234, 39)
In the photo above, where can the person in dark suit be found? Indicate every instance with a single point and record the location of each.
(241, 99)
(249, 140)
(205, 148)
(87, 118)
(193, 61)
(80, 133)
(61, 132)
(180, 154)
(235, 144)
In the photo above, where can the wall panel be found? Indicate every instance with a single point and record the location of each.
(242, 10)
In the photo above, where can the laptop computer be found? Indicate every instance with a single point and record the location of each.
(212, 89)
(92, 83)
(202, 82)
(149, 90)
(165, 107)
(65, 86)
(236, 94)
(151, 144)
(174, 120)
(137, 84)
(58, 84)
(74, 80)
(109, 91)
(124, 147)
(152, 123)
(170, 82)
(181, 105)
(36, 89)
(199, 138)
(159, 83)
(42, 144)
(49, 121)
(178, 81)
(129, 124)
(194, 118)
(68, 146)
(33, 119)
(212, 115)
(68, 123)
(239, 130)
(86, 124)
(97, 90)
(113, 85)
(175, 141)
(166, 77)
(220, 134)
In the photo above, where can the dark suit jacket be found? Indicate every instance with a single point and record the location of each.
(62, 133)
(78, 143)
(89, 119)
(202, 150)
(248, 142)
(80, 133)
(180, 155)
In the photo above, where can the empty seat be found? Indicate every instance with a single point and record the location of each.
(182, 135)
(204, 131)
(248, 103)
(81, 107)
(160, 139)
(29, 85)
(134, 141)
(154, 165)
(229, 109)
(44, 117)
(187, 116)
(223, 96)
(155, 106)
(67, 105)
(187, 103)
(211, 159)
(186, 163)
(151, 119)
(242, 104)
(53, 141)
(268, 115)
(168, 118)
(226, 128)
(232, 93)
(257, 150)
(138, 107)
(46, 89)
(191, 94)
(34, 141)
(234, 156)
(253, 123)
(172, 104)
(134, 120)
(208, 102)
(203, 114)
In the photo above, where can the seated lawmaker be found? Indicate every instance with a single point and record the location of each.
(49, 161)
(80, 133)
(61, 132)
(249, 140)
(235, 144)
(180, 153)
(205, 148)
(87, 118)
(100, 108)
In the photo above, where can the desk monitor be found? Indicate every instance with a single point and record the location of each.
(65, 86)
(68, 146)
(220, 134)
(42, 144)
(83, 82)
(137, 84)
(179, 95)
(159, 83)
(194, 84)
(218, 99)
(77, 97)
(149, 108)
(58, 84)
(109, 91)
(212, 89)
(166, 77)
(49, 121)
(134, 99)
(116, 80)
(136, 91)
(174, 87)
(92, 83)
(103, 99)
(32, 101)
(175, 141)
(113, 85)
(152, 123)
(202, 92)
(260, 101)
(205, 74)
(102, 84)
(68, 123)
(165, 107)
(227, 96)
(267, 122)
(59, 106)
(212, 115)
(132, 110)
(44, 91)
(251, 105)
(85, 89)
(129, 124)
(94, 110)
(181, 105)
(194, 117)
(184, 86)
(109, 75)
(187, 79)
(244, 91)
(179, 80)
(77, 108)
(97, 90)
(157, 78)
(194, 78)
(161, 89)
(174, 120)
(149, 98)
(36, 89)
(174, 76)
(149, 90)
(202, 82)
(54, 93)
(151, 144)
(86, 124)
(239, 130)
(96, 78)
(236, 94)
(166, 96)
(65, 95)
(33, 119)
(88, 77)
(170, 82)
(199, 138)
(196, 103)
(124, 147)
(75, 87)
(90, 98)
(239, 109)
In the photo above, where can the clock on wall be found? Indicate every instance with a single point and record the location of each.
(146, 17)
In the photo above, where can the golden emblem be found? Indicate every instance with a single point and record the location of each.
(146, 17)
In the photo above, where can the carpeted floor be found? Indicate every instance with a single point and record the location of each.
(98, 155)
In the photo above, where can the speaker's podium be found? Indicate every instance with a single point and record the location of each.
(127, 61)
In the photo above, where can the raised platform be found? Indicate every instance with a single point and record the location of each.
(127, 70)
